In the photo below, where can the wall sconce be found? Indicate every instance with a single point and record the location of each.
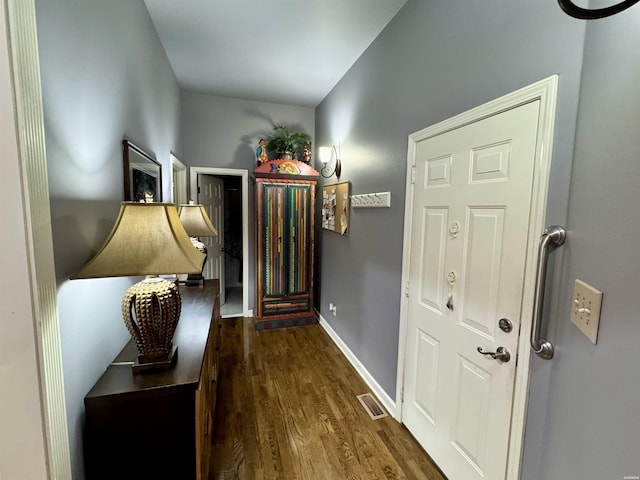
(328, 167)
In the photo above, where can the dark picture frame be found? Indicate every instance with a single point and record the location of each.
(142, 174)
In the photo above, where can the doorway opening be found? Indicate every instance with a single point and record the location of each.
(234, 275)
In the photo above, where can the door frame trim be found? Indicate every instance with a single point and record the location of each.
(47, 430)
(232, 172)
(178, 171)
(544, 91)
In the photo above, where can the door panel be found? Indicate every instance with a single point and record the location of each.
(298, 214)
(490, 163)
(471, 209)
(211, 196)
(432, 283)
(482, 272)
(273, 241)
(438, 172)
(471, 412)
(427, 358)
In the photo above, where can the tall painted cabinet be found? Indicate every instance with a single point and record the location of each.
(285, 204)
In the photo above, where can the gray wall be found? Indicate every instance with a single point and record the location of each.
(224, 133)
(592, 426)
(435, 60)
(104, 77)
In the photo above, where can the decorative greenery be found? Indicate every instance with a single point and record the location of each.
(283, 141)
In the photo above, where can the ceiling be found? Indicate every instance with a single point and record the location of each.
(283, 51)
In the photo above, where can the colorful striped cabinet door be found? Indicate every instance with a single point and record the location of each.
(285, 232)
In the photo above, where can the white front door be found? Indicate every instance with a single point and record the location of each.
(470, 220)
(211, 196)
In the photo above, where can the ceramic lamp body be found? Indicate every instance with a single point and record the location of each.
(151, 309)
(194, 279)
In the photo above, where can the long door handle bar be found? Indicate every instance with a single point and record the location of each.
(553, 236)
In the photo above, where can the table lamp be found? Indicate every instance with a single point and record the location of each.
(196, 223)
(148, 239)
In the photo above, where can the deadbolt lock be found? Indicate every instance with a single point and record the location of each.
(505, 325)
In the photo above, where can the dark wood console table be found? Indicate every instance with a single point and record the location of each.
(159, 425)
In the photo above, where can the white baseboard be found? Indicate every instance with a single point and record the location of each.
(376, 389)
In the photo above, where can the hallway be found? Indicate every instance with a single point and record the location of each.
(287, 408)
(233, 303)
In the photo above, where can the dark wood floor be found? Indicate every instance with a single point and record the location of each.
(287, 409)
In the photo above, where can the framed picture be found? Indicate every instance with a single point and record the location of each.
(142, 175)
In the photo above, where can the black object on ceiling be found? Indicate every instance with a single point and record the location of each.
(573, 10)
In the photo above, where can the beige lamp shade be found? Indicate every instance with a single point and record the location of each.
(196, 222)
(147, 239)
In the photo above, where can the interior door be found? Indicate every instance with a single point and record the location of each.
(211, 196)
(471, 208)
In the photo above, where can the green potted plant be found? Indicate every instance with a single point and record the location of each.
(286, 144)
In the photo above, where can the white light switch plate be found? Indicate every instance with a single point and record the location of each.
(585, 309)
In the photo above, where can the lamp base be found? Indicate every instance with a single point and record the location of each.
(149, 365)
(193, 280)
(196, 279)
(151, 310)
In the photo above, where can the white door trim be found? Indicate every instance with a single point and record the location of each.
(179, 173)
(45, 434)
(544, 91)
(234, 172)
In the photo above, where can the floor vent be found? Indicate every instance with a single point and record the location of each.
(371, 405)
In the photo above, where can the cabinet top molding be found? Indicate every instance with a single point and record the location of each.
(285, 167)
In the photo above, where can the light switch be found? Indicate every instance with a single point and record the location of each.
(585, 311)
